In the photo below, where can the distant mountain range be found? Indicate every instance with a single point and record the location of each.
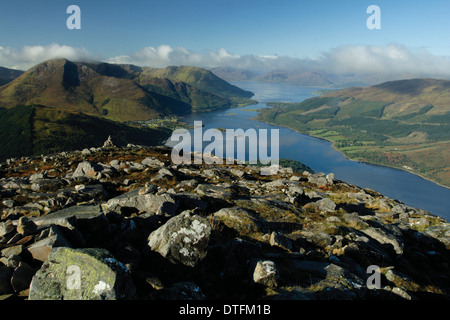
(404, 124)
(304, 77)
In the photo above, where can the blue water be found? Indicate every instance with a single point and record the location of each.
(321, 157)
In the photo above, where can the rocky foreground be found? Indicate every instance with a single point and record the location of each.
(125, 223)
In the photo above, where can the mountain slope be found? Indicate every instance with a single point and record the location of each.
(199, 78)
(8, 75)
(36, 130)
(404, 124)
(118, 92)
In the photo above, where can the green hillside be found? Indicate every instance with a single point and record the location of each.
(403, 124)
(35, 130)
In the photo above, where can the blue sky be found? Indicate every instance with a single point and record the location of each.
(297, 29)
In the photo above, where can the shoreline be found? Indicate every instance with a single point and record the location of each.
(347, 157)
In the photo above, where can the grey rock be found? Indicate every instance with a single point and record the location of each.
(325, 205)
(384, 237)
(152, 162)
(108, 143)
(266, 273)
(6, 228)
(82, 274)
(318, 179)
(160, 204)
(182, 239)
(16, 250)
(237, 173)
(279, 240)
(87, 169)
(8, 203)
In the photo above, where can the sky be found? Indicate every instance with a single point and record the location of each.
(250, 34)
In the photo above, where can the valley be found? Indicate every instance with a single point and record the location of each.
(402, 124)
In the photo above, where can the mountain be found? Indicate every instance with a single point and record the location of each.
(299, 78)
(233, 74)
(132, 226)
(120, 92)
(8, 75)
(403, 124)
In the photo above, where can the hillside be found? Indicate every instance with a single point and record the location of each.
(404, 124)
(146, 229)
(120, 92)
(36, 130)
(8, 75)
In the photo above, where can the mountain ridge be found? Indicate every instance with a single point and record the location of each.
(119, 92)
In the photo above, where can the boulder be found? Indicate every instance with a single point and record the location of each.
(182, 239)
(240, 219)
(384, 237)
(152, 162)
(325, 205)
(160, 204)
(21, 277)
(82, 274)
(5, 280)
(266, 273)
(87, 169)
(279, 240)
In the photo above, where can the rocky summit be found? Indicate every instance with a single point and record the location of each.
(126, 223)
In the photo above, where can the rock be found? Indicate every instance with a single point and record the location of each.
(330, 178)
(318, 179)
(238, 173)
(6, 228)
(8, 203)
(87, 169)
(82, 274)
(266, 273)
(21, 277)
(148, 188)
(152, 162)
(5, 280)
(325, 205)
(384, 237)
(159, 204)
(14, 250)
(182, 291)
(219, 191)
(182, 239)
(86, 152)
(240, 219)
(25, 226)
(279, 240)
(162, 174)
(108, 143)
(41, 249)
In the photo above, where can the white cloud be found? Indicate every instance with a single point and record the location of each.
(29, 56)
(392, 59)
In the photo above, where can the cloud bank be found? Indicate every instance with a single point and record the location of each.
(392, 59)
(29, 56)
